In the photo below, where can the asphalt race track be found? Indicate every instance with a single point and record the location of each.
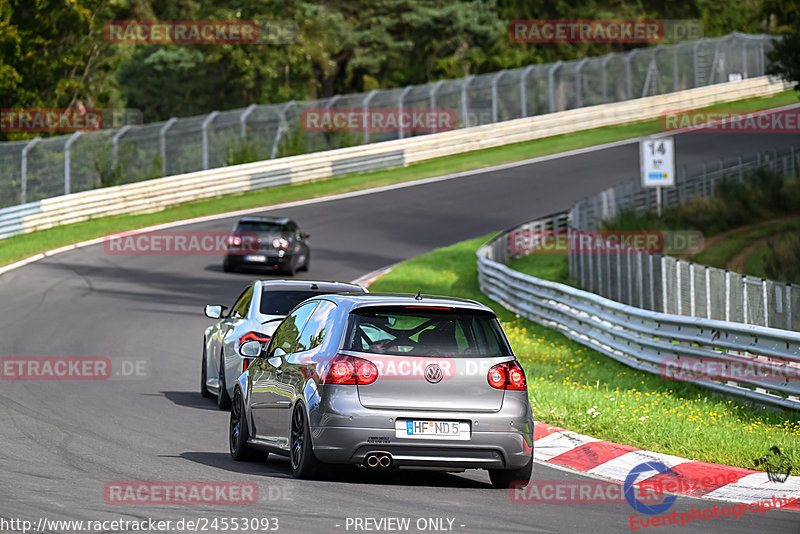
(61, 442)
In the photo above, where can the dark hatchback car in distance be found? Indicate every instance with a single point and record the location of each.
(267, 243)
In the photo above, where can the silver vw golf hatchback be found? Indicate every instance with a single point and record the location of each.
(386, 381)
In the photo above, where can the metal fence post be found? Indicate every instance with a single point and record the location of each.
(281, 128)
(727, 295)
(243, 119)
(578, 83)
(604, 71)
(708, 292)
(692, 304)
(403, 93)
(495, 79)
(765, 301)
(651, 276)
(365, 109)
(744, 300)
(67, 160)
(204, 133)
(115, 145)
(664, 284)
(464, 100)
(619, 275)
(695, 58)
(788, 306)
(523, 100)
(628, 73)
(162, 144)
(551, 80)
(23, 186)
(678, 288)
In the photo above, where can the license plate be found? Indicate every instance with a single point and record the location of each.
(419, 429)
(255, 257)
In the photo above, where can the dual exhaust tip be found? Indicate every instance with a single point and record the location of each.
(378, 459)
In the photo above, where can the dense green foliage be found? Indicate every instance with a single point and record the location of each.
(53, 53)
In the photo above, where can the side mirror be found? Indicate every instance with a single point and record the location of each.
(250, 349)
(278, 352)
(214, 311)
(275, 361)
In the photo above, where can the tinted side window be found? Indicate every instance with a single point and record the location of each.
(242, 305)
(287, 334)
(317, 327)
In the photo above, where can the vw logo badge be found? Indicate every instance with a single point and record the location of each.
(433, 373)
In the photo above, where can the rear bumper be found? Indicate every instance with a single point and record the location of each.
(272, 261)
(344, 432)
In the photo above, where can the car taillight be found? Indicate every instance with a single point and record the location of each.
(254, 336)
(280, 243)
(507, 375)
(235, 241)
(351, 370)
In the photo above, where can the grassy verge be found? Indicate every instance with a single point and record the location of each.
(19, 247)
(577, 388)
(722, 252)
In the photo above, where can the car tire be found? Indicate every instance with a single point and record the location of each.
(223, 399)
(301, 454)
(204, 377)
(506, 478)
(227, 267)
(289, 269)
(306, 263)
(239, 432)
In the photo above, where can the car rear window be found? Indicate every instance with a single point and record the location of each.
(282, 302)
(260, 227)
(425, 331)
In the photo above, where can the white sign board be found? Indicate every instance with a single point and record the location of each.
(657, 160)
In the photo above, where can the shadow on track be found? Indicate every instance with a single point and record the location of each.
(191, 399)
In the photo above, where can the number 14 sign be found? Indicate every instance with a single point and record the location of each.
(657, 160)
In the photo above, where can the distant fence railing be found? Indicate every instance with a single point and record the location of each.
(670, 285)
(649, 311)
(40, 169)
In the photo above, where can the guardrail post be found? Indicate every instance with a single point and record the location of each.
(578, 90)
(23, 186)
(494, 93)
(523, 97)
(162, 144)
(617, 260)
(281, 128)
(115, 145)
(651, 276)
(599, 274)
(464, 100)
(403, 93)
(67, 160)
(204, 132)
(708, 292)
(630, 279)
(765, 301)
(243, 119)
(365, 108)
(551, 80)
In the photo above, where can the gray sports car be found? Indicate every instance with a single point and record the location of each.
(254, 316)
(386, 381)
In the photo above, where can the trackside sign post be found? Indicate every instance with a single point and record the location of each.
(657, 161)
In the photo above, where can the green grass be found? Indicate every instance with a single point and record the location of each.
(577, 388)
(721, 253)
(22, 246)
